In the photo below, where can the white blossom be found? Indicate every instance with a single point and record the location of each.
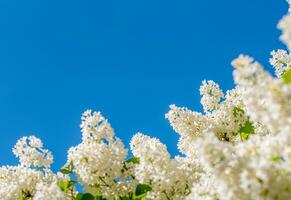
(30, 152)
(281, 61)
(211, 95)
(95, 127)
(19, 181)
(285, 27)
(49, 192)
(169, 178)
(98, 161)
(239, 148)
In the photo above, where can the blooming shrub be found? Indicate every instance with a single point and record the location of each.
(239, 148)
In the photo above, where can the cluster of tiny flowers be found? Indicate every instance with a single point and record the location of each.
(99, 159)
(30, 152)
(285, 26)
(27, 180)
(226, 116)
(211, 95)
(49, 192)
(281, 61)
(169, 178)
(95, 127)
(237, 148)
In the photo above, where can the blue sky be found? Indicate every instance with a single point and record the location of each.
(128, 59)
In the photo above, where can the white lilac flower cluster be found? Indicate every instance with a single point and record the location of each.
(238, 148)
(169, 178)
(285, 26)
(99, 160)
(281, 60)
(32, 178)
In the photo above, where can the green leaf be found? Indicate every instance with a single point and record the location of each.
(287, 76)
(244, 136)
(88, 196)
(68, 169)
(67, 185)
(134, 160)
(126, 198)
(141, 191)
(99, 198)
(247, 127)
(85, 196)
(277, 159)
(246, 130)
(140, 197)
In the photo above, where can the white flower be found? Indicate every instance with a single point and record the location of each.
(211, 95)
(186, 122)
(239, 148)
(281, 61)
(19, 181)
(266, 99)
(94, 162)
(49, 192)
(30, 152)
(99, 160)
(95, 127)
(242, 61)
(169, 178)
(285, 26)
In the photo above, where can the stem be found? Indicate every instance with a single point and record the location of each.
(102, 180)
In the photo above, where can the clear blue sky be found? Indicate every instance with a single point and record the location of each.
(128, 59)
